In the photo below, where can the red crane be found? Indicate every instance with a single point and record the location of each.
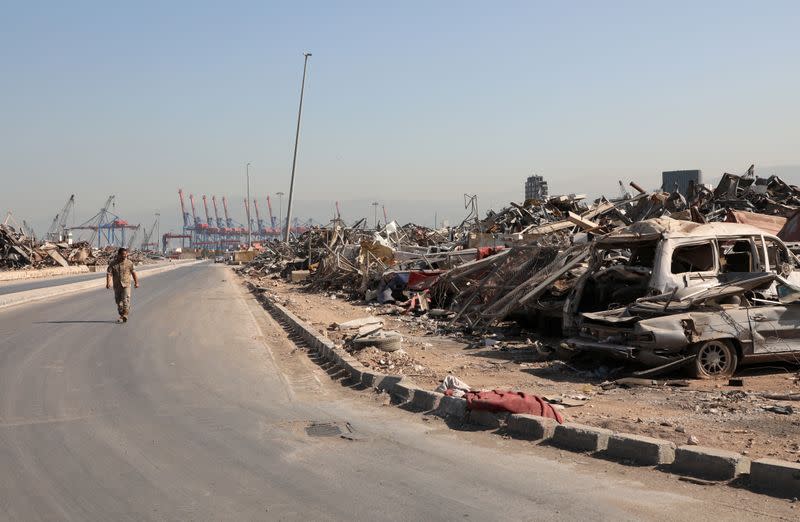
(183, 210)
(271, 216)
(259, 221)
(385, 219)
(208, 218)
(194, 213)
(228, 220)
(220, 224)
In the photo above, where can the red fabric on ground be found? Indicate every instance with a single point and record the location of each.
(513, 402)
(422, 279)
(484, 252)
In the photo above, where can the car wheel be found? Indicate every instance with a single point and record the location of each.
(716, 359)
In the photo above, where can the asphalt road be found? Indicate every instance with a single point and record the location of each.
(195, 411)
(47, 282)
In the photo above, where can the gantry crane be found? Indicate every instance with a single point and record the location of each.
(211, 229)
(228, 220)
(234, 232)
(261, 228)
(58, 229)
(96, 222)
(208, 217)
(133, 236)
(187, 225)
(247, 215)
(28, 230)
(147, 243)
(200, 228)
(272, 222)
(220, 223)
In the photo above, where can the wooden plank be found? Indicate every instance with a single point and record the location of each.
(582, 222)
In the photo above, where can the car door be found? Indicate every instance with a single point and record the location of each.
(774, 328)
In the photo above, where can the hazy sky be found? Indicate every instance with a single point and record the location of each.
(413, 104)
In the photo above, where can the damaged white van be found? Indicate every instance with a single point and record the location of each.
(660, 270)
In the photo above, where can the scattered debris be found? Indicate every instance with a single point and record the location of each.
(782, 410)
(19, 251)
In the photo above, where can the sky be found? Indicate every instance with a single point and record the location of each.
(410, 104)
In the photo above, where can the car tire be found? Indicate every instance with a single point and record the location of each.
(716, 359)
(390, 343)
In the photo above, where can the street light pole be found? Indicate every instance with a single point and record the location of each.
(294, 158)
(280, 212)
(247, 209)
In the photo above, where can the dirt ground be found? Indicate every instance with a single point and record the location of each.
(710, 413)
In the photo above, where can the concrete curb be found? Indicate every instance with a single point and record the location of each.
(709, 463)
(29, 296)
(578, 437)
(645, 451)
(45, 273)
(451, 408)
(487, 419)
(426, 400)
(774, 477)
(531, 427)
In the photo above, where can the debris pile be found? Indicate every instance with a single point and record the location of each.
(18, 251)
(547, 263)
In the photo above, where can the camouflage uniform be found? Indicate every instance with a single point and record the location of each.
(121, 274)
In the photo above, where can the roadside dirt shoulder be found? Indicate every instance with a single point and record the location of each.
(710, 413)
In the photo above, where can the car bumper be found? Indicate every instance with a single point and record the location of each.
(590, 345)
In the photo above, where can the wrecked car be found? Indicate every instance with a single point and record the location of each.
(712, 330)
(663, 255)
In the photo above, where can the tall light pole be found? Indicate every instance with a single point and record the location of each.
(294, 158)
(375, 208)
(158, 230)
(247, 209)
(280, 212)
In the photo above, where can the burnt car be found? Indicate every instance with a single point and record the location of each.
(713, 330)
(664, 255)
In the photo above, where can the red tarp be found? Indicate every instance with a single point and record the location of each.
(514, 402)
(484, 252)
(422, 279)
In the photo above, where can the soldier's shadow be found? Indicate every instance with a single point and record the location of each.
(75, 322)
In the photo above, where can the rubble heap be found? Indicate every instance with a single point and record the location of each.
(519, 263)
(18, 251)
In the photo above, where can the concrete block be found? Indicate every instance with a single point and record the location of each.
(402, 392)
(578, 437)
(325, 351)
(487, 419)
(531, 427)
(336, 355)
(371, 379)
(451, 408)
(355, 371)
(387, 382)
(299, 275)
(709, 463)
(776, 477)
(426, 400)
(641, 450)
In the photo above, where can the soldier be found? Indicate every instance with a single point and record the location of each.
(121, 271)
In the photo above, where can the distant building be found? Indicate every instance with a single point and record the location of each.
(680, 179)
(535, 188)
